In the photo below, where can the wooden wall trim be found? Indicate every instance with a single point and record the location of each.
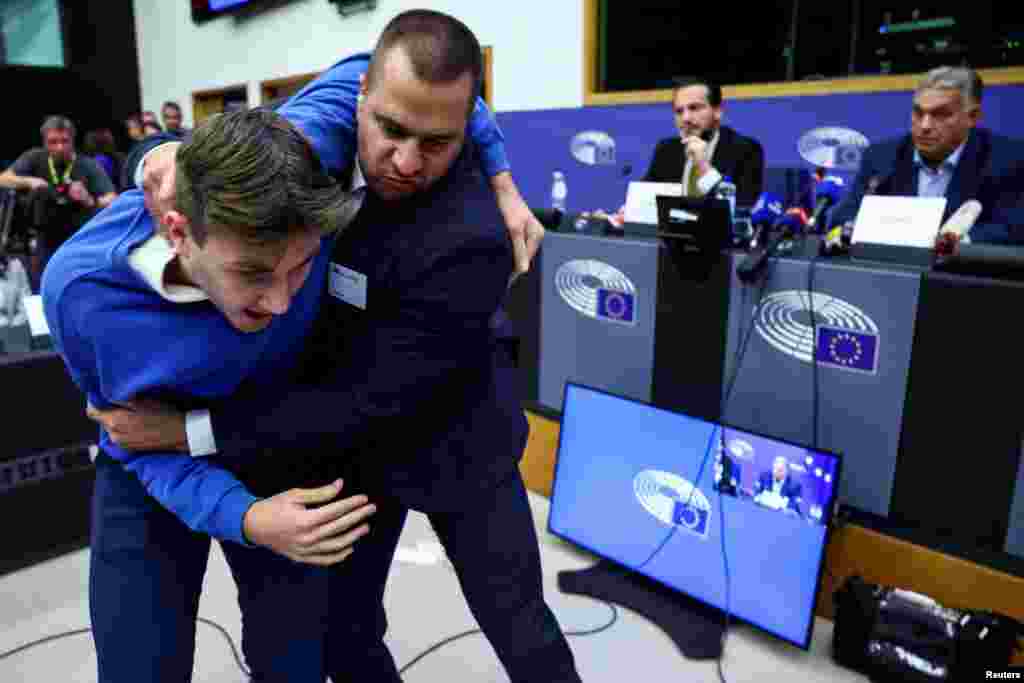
(590, 19)
(214, 92)
(1013, 75)
(538, 463)
(488, 93)
(285, 81)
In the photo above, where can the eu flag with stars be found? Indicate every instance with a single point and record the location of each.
(847, 349)
(616, 306)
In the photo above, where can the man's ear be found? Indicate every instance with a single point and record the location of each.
(363, 88)
(975, 116)
(177, 230)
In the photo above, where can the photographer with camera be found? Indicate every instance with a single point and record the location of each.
(60, 190)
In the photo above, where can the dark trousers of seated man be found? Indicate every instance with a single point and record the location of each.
(489, 536)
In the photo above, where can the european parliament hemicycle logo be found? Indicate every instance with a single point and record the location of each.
(674, 501)
(846, 337)
(833, 147)
(593, 148)
(597, 290)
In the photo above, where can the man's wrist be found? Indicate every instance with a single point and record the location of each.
(248, 524)
(503, 184)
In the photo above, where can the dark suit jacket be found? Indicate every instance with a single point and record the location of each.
(736, 156)
(790, 489)
(991, 170)
(413, 397)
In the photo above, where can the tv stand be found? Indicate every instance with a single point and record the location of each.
(694, 627)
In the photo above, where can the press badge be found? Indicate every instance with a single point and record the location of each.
(347, 285)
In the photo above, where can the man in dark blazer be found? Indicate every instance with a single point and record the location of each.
(779, 482)
(947, 155)
(706, 151)
(409, 391)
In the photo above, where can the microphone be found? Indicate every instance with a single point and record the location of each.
(792, 223)
(958, 225)
(878, 184)
(549, 218)
(963, 219)
(766, 212)
(837, 240)
(828, 192)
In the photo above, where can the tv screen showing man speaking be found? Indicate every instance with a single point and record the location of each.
(655, 491)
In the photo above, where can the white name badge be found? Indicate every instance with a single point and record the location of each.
(641, 205)
(347, 285)
(899, 221)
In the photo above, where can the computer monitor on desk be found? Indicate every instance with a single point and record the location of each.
(696, 226)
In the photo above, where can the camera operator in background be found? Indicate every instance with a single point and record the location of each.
(60, 190)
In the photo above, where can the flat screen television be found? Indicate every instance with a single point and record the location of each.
(204, 10)
(655, 492)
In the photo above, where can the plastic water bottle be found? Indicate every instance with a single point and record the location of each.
(559, 191)
(727, 190)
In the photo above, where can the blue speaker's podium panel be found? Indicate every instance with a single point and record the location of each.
(929, 448)
(597, 314)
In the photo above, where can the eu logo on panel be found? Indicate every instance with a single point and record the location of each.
(617, 307)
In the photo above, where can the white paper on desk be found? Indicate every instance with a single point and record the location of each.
(641, 205)
(36, 319)
(899, 221)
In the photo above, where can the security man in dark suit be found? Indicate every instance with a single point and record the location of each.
(410, 391)
(706, 151)
(947, 155)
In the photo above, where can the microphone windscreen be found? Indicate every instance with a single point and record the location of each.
(767, 210)
(795, 219)
(963, 219)
(549, 218)
(831, 188)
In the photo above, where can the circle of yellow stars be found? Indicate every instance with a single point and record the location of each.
(833, 349)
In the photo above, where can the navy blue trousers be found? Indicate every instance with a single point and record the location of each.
(146, 575)
(493, 547)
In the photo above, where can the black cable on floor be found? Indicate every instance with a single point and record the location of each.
(451, 639)
(80, 631)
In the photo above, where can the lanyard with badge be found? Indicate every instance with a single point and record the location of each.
(61, 182)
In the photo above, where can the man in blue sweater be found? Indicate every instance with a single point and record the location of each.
(416, 398)
(223, 291)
